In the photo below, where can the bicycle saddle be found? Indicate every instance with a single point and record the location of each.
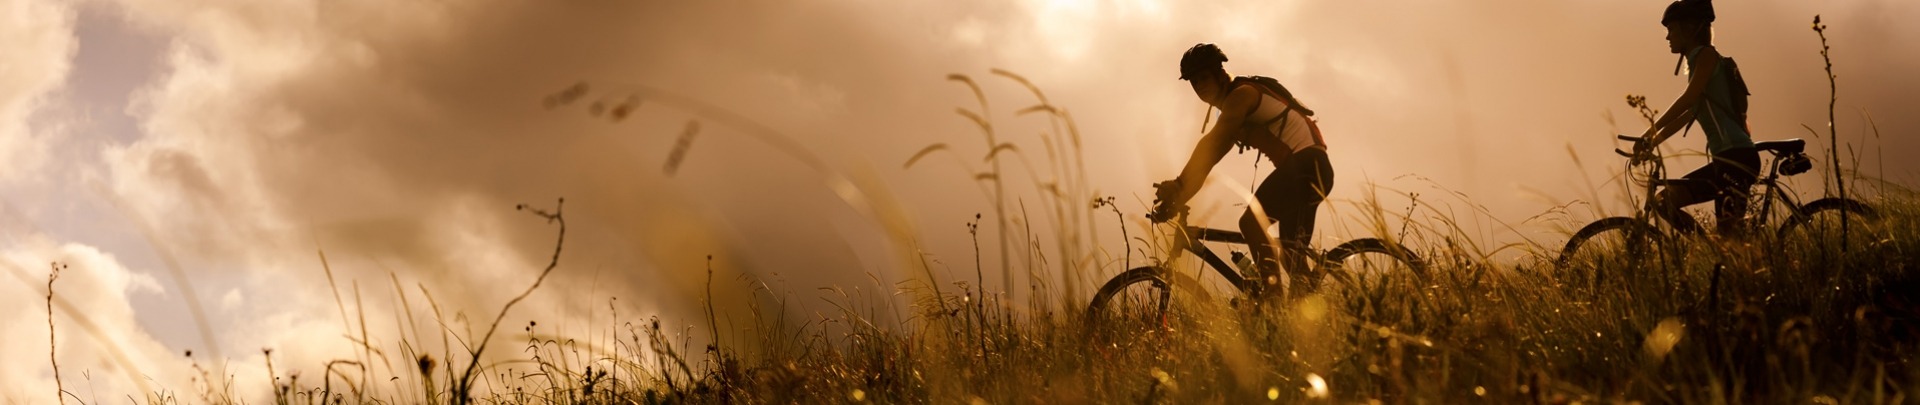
(1789, 146)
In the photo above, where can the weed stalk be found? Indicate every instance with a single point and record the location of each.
(463, 389)
(1833, 134)
(60, 387)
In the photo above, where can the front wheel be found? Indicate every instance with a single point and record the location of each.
(1140, 292)
(1142, 298)
(1608, 240)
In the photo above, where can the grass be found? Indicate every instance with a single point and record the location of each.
(1701, 321)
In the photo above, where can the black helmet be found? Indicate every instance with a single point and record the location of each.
(1200, 60)
(1688, 11)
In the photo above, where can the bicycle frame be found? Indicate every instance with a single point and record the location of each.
(1191, 240)
(1773, 189)
(1769, 185)
(1765, 190)
(1656, 177)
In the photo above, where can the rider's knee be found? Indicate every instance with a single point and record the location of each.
(1249, 220)
(1671, 198)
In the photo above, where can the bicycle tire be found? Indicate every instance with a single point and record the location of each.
(1629, 226)
(1806, 213)
(1339, 254)
(1163, 282)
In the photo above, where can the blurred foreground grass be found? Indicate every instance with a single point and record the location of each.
(1699, 321)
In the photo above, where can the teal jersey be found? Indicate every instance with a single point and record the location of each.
(1725, 128)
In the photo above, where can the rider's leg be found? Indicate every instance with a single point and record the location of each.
(1293, 202)
(1268, 256)
(1296, 229)
(1669, 203)
(1735, 173)
(1265, 252)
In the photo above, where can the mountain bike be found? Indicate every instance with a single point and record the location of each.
(1636, 233)
(1146, 291)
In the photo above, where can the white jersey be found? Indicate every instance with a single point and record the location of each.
(1294, 131)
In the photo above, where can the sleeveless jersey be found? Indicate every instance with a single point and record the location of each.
(1266, 128)
(1290, 130)
(1725, 130)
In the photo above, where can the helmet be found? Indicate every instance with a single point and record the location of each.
(1688, 11)
(1200, 60)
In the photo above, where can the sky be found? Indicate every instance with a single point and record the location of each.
(190, 161)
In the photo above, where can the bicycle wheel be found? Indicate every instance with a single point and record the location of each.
(1142, 299)
(1374, 259)
(1608, 241)
(1818, 224)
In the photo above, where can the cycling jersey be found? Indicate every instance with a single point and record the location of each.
(1725, 129)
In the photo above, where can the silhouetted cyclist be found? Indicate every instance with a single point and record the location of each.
(1716, 97)
(1258, 113)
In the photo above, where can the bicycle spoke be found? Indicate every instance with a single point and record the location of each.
(1373, 263)
(1605, 246)
(1831, 228)
(1136, 303)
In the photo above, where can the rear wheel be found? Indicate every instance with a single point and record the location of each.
(1819, 224)
(1370, 261)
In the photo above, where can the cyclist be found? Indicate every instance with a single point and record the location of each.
(1257, 113)
(1715, 98)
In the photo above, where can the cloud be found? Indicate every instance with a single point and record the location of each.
(101, 346)
(34, 62)
(398, 141)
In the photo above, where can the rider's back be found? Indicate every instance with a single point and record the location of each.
(1278, 126)
(1722, 114)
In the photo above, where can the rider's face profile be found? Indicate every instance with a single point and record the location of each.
(1681, 36)
(1207, 88)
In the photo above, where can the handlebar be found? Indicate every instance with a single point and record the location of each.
(1632, 157)
(1163, 212)
(1636, 140)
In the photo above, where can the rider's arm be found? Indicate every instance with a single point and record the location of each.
(1677, 115)
(1215, 144)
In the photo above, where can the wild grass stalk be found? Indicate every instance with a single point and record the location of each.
(1063, 187)
(53, 354)
(982, 120)
(1125, 239)
(463, 388)
(1067, 186)
(1833, 132)
(978, 320)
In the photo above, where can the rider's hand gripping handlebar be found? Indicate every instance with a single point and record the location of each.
(1165, 201)
(1640, 149)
